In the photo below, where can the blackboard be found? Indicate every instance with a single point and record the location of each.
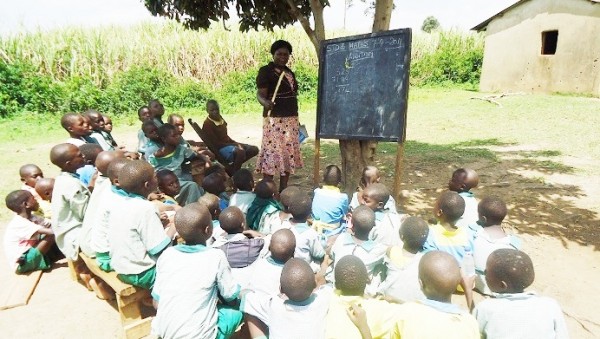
(363, 86)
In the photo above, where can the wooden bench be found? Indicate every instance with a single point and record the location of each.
(128, 301)
(211, 147)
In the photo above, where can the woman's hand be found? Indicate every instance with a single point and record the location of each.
(268, 104)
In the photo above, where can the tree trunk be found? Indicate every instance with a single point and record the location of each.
(356, 154)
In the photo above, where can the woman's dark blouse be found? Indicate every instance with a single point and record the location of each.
(286, 102)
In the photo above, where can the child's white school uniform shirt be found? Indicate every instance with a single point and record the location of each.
(402, 280)
(264, 276)
(135, 235)
(17, 239)
(520, 315)
(188, 278)
(93, 214)
(99, 237)
(242, 199)
(369, 252)
(69, 203)
(308, 243)
(287, 319)
(387, 228)
(471, 215)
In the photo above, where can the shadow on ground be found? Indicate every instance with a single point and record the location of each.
(536, 206)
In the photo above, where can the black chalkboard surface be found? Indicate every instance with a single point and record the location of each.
(363, 86)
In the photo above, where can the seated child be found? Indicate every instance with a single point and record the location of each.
(308, 241)
(101, 192)
(298, 312)
(446, 236)
(78, 129)
(143, 115)
(99, 233)
(214, 184)
(351, 279)
(512, 312)
(153, 142)
(241, 247)
(243, 183)
(172, 156)
(157, 110)
(264, 274)
(44, 188)
(108, 127)
(190, 278)
(168, 185)
(263, 205)
(97, 125)
(30, 174)
(402, 281)
(359, 244)
(436, 316)
(26, 243)
(387, 223)
(329, 205)
(136, 236)
(370, 175)
(69, 199)
(490, 237)
(463, 180)
(87, 172)
(215, 132)
(281, 219)
(197, 167)
(211, 202)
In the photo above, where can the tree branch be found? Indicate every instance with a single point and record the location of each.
(305, 24)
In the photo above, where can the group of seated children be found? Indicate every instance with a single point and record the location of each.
(262, 264)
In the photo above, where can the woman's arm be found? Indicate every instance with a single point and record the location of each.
(262, 96)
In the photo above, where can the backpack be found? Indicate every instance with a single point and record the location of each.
(242, 253)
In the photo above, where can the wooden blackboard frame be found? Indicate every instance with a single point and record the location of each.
(321, 95)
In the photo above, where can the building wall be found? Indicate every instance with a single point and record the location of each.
(513, 44)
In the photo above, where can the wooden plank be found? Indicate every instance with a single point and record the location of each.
(139, 329)
(18, 289)
(110, 278)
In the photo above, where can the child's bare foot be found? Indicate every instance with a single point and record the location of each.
(86, 278)
(102, 290)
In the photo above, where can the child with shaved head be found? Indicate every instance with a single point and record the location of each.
(97, 124)
(190, 277)
(351, 279)
(135, 232)
(113, 199)
(240, 246)
(69, 199)
(330, 206)
(436, 316)
(358, 243)
(30, 174)
(387, 222)
(26, 243)
(462, 181)
(87, 172)
(490, 237)
(402, 281)
(281, 219)
(264, 204)
(308, 242)
(512, 312)
(370, 175)
(264, 274)
(44, 188)
(78, 129)
(448, 237)
(298, 312)
(94, 213)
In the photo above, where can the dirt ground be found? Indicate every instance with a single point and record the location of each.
(553, 206)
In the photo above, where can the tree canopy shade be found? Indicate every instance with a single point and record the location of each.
(252, 13)
(430, 24)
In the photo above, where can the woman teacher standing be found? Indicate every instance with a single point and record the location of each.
(280, 151)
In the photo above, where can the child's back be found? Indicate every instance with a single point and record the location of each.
(308, 242)
(263, 205)
(462, 181)
(187, 296)
(329, 204)
(436, 316)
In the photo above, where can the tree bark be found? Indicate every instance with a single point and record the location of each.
(356, 154)
(318, 33)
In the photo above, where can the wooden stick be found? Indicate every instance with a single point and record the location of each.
(276, 90)
(399, 171)
(317, 161)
